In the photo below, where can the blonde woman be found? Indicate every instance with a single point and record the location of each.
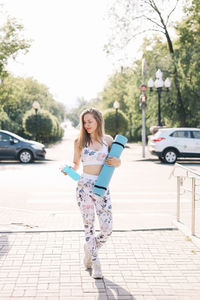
(91, 148)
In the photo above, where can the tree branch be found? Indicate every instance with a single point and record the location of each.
(172, 11)
(157, 24)
(141, 32)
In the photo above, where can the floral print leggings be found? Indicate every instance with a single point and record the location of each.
(88, 203)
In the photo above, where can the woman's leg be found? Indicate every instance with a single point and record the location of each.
(86, 204)
(104, 213)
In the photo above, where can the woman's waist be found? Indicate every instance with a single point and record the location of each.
(92, 169)
(87, 176)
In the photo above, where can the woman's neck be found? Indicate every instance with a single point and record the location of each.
(94, 138)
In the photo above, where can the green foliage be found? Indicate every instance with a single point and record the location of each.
(43, 125)
(155, 51)
(11, 43)
(187, 53)
(115, 122)
(18, 94)
(74, 114)
(116, 90)
(4, 119)
(16, 98)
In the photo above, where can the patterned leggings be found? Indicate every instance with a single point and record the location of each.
(88, 203)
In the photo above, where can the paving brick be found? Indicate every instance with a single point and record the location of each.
(136, 265)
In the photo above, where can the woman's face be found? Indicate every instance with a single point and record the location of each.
(89, 123)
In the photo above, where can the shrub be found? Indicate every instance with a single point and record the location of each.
(113, 120)
(43, 125)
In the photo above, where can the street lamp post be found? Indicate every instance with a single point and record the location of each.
(116, 107)
(159, 87)
(143, 105)
(36, 106)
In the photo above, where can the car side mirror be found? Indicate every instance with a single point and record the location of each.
(13, 141)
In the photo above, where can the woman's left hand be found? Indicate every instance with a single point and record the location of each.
(112, 161)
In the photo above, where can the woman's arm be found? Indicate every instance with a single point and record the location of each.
(111, 160)
(77, 156)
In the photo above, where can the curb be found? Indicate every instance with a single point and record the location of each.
(82, 230)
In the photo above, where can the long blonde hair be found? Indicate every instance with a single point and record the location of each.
(84, 137)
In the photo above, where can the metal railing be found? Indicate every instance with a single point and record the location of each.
(182, 174)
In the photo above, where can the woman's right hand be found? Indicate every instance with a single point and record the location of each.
(61, 169)
(63, 172)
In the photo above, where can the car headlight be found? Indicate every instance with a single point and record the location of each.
(37, 147)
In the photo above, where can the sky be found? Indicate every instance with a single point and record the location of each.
(67, 48)
(66, 53)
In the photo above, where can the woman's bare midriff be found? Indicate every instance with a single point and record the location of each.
(92, 169)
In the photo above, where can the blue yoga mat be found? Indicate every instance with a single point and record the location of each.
(73, 174)
(106, 173)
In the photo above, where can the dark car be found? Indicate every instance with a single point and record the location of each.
(15, 147)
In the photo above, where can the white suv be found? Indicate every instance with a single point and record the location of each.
(170, 143)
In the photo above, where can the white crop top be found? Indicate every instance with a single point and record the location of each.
(93, 157)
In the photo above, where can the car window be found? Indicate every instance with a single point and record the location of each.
(196, 134)
(181, 134)
(4, 137)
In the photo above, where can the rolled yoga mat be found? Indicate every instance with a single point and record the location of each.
(106, 173)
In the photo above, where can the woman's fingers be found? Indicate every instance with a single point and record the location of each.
(110, 161)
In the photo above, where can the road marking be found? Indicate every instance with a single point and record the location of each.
(71, 193)
(114, 200)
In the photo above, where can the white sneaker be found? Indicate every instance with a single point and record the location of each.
(96, 270)
(87, 258)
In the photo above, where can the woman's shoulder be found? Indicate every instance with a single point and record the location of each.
(76, 141)
(108, 139)
(76, 144)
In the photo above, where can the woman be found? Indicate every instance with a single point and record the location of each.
(91, 148)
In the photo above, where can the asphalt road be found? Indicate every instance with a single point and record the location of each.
(143, 196)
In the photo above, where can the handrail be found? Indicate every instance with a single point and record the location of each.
(182, 167)
(193, 175)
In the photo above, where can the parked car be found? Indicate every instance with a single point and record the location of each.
(170, 143)
(15, 147)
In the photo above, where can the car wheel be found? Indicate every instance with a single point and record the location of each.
(170, 156)
(25, 157)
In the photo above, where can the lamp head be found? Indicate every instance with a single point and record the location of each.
(159, 74)
(36, 105)
(159, 83)
(116, 105)
(167, 83)
(150, 84)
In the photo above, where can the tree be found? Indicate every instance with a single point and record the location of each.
(133, 18)
(17, 96)
(44, 126)
(115, 90)
(74, 113)
(11, 43)
(188, 49)
(111, 119)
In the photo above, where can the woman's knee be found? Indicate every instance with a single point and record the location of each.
(107, 230)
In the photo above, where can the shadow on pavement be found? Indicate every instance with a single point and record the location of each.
(17, 163)
(4, 245)
(113, 290)
(189, 162)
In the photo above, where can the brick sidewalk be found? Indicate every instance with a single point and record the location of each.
(138, 265)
